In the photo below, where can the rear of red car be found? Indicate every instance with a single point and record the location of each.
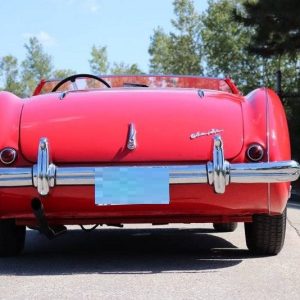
(144, 155)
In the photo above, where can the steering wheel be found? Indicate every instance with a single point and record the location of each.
(74, 77)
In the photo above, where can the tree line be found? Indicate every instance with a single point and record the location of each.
(229, 39)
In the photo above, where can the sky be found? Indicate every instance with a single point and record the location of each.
(68, 29)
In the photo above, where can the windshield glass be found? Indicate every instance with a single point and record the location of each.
(124, 81)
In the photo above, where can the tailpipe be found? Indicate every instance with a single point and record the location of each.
(43, 227)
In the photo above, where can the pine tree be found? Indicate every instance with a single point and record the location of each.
(276, 24)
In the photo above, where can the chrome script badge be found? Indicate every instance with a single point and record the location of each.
(210, 132)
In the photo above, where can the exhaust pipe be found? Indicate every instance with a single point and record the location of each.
(43, 227)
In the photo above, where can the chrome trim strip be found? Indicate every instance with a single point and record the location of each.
(218, 172)
(273, 172)
(10, 177)
(75, 175)
(86, 175)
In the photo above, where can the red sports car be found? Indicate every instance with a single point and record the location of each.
(144, 149)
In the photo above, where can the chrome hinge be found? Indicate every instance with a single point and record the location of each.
(131, 143)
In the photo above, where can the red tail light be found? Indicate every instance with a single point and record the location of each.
(8, 156)
(255, 152)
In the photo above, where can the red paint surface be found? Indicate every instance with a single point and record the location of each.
(92, 127)
(193, 200)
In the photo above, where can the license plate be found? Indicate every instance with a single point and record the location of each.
(131, 185)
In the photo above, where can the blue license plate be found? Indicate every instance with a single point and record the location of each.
(131, 185)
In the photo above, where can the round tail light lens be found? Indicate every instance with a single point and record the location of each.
(8, 156)
(255, 152)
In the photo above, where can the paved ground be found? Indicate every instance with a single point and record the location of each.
(185, 262)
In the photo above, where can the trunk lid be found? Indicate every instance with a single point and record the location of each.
(93, 126)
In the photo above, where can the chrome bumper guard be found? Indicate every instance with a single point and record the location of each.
(218, 172)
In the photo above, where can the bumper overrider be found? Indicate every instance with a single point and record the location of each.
(219, 173)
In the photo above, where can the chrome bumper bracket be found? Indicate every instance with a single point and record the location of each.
(43, 172)
(218, 170)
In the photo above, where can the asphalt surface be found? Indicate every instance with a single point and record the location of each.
(165, 262)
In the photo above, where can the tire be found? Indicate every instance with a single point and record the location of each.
(12, 238)
(265, 235)
(225, 227)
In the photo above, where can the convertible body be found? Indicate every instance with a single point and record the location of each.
(151, 149)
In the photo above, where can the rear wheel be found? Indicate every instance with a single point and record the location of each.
(225, 227)
(265, 235)
(12, 238)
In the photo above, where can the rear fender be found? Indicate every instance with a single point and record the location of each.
(278, 149)
(255, 121)
(265, 123)
(10, 113)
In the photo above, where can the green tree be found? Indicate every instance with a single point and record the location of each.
(37, 65)
(122, 68)
(224, 42)
(159, 50)
(180, 51)
(275, 35)
(10, 75)
(63, 73)
(276, 24)
(99, 62)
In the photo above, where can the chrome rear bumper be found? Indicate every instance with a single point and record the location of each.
(218, 172)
